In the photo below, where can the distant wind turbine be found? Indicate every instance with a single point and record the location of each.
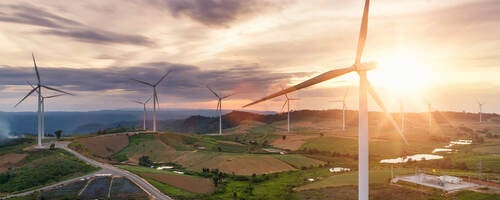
(344, 106)
(480, 111)
(219, 106)
(43, 108)
(402, 114)
(287, 103)
(38, 89)
(155, 96)
(365, 88)
(145, 112)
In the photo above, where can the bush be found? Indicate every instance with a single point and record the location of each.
(145, 161)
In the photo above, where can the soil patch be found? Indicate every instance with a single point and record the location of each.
(105, 145)
(188, 183)
(10, 160)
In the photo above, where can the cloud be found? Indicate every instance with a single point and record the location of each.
(64, 27)
(214, 12)
(185, 81)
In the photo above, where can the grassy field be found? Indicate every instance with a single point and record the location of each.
(42, 167)
(145, 145)
(299, 161)
(351, 178)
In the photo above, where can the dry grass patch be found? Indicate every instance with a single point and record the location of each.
(10, 160)
(292, 141)
(105, 145)
(188, 183)
(233, 163)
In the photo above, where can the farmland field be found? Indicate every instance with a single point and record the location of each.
(299, 161)
(10, 160)
(104, 145)
(145, 144)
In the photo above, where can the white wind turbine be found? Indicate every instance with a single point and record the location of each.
(344, 106)
(429, 110)
(287, 103)
(365, 88)
(402, 114)
(145, 112)
(480, 111)
(155, 96)
(219, 106)
(38, 89)
(43, 107)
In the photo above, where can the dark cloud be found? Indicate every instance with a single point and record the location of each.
(64, 27)
(214, 12)
(93, 36)
(184, 82)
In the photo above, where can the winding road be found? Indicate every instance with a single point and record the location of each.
(153, 192)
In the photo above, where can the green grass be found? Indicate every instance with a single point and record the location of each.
(351, 178)
(41, 168)
(15, 145)
(144, 144)
(467, 195)
(172, 191)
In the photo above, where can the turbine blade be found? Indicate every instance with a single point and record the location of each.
(157, 101)
(283, 107)
(143, 82)
(57, 90)
(229, 95)
(33, 86)
(36, 68)
(318, 79)
(218, 105)
(53, 96)
(138, 102)
(293, 99)
(31, 92)
(213, 92)
(163, 77)
(345, 95)
(362, 32)
(379, 102)
(148, 100)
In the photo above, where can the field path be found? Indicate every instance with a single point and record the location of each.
(105, 169)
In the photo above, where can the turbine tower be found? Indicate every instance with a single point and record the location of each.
(145, 112)
(38, 89)
(344, 106)
(287, 103)
(429, 107)
(219, 106)
(43, 108)
(480, 111)
(402, 114)
(155, 96)
(365, 88)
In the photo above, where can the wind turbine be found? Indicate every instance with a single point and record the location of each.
(344, 106)
(145, 111)
(219, 106)
(402, 114)
(43, 108)
(287, 103)
(480, 111)
(364, 88)
(38, 88)
(429, 108)
(155, 96)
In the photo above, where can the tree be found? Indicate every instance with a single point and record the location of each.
(145, 161)
(58, 134)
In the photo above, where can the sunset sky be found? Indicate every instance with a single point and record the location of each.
(443, 51)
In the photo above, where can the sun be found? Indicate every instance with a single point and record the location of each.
(403, 72)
